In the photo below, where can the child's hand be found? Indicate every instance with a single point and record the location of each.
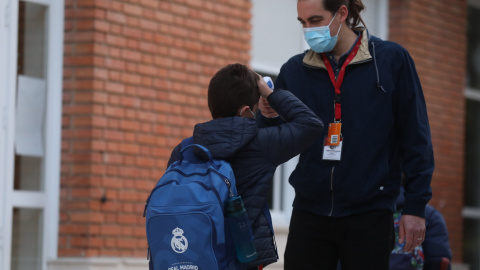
(265, 108)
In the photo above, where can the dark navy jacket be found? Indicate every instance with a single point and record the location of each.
(254, 153)
(384, 126)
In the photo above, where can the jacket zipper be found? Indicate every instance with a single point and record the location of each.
(331, 189)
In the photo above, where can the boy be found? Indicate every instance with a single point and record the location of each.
(253, 152)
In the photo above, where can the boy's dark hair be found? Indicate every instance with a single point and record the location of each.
(230, 88)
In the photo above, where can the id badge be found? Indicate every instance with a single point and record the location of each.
(332, 149)
(334, 131)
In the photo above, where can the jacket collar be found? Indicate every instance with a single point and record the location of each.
(314, 59)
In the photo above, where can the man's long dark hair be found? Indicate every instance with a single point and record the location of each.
(354, 8)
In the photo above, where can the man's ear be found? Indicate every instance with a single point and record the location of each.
(343, 12)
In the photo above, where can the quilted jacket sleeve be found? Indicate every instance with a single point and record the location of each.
(300, 128)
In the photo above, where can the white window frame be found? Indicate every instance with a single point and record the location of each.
(269, 24)
(48, 199)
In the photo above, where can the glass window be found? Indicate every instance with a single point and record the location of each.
(472, 154)
(276, 34)
(26, 239)
(375, 16)
(473, 49)
(31, 96)
(29, 159)
(471, 240)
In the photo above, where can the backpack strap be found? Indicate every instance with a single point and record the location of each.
(187, 141)
(187, 153)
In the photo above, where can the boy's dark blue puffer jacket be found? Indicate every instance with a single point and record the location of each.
(254, 153)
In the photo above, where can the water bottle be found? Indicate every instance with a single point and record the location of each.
(242, 235)
(269, 81)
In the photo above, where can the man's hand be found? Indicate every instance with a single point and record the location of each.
(411, 231)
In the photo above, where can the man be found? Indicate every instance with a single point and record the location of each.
(347, 182)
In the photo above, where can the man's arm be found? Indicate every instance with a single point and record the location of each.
(416, 152)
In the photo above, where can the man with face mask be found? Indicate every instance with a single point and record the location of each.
(347, 182)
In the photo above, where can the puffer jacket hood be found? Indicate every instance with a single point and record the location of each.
(225, 136)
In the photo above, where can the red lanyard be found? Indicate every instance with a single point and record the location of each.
(338, 82)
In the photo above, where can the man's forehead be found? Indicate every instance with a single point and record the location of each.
(309, 8)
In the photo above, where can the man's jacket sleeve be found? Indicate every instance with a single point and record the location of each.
(414, 137)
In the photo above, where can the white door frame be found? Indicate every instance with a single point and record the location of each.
(48, 200)
(8, 33)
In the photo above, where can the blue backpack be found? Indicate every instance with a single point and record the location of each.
(184, 214)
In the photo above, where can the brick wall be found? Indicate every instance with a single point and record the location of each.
(135, 79)
(434, 32)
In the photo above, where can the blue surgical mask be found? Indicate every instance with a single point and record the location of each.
(319, 38)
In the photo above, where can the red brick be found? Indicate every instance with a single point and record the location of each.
(133, 10)
(115, 40)
(116, 17)
(87, 218)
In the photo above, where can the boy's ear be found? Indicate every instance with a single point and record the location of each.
(243, 111)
